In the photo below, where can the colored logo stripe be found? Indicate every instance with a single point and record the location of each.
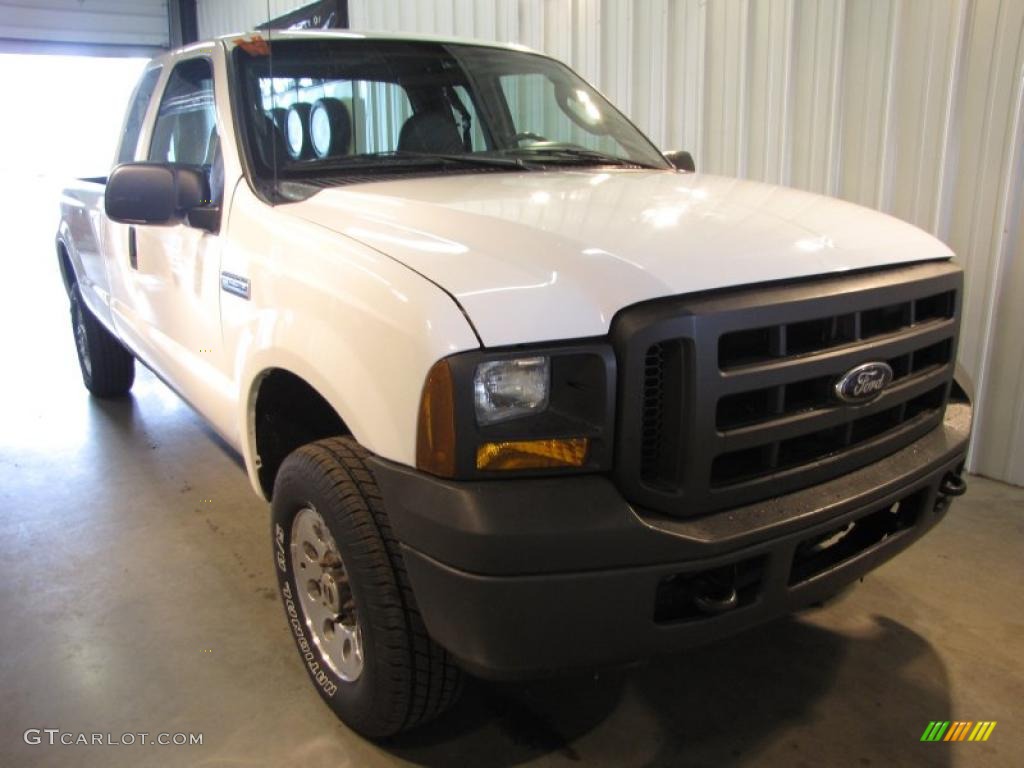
(982, 731)
(958, 730)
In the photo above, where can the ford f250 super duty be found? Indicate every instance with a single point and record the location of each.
(524, 392)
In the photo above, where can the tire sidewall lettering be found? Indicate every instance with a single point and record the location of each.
(279, 553)
(321, 677)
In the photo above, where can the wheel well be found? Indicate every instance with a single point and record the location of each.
(289, 413)
(67, 272)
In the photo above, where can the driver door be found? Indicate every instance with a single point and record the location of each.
(174, 271)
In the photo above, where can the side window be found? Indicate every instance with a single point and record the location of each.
(385, 108)
(186, 128)
(136, 114)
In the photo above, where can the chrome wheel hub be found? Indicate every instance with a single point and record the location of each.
(322, 584)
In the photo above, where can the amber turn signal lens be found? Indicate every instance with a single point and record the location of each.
(435, 432)
(533, 454)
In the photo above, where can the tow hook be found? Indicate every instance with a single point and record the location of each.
(712, 595)
(953, 485)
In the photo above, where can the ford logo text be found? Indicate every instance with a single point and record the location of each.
(863, 383)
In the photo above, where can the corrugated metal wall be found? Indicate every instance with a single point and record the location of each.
(222, 17)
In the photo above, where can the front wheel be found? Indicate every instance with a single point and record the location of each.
(347, 598)
(108, 369)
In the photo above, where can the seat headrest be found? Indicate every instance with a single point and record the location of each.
(430, 131)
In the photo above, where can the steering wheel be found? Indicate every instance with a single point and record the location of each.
(528, 136)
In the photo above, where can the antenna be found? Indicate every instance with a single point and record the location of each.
(273, 97)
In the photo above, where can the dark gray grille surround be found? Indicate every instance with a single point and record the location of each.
(725, 398)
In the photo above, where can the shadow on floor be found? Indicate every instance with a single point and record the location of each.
(713, 706)
(123, 419)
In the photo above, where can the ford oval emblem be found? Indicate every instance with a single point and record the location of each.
(863, 383)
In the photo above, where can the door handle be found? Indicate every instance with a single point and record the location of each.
(133, 253)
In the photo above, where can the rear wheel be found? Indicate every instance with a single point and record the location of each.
(108, 369)
(347, 597)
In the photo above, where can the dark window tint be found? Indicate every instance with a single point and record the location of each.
(136, 114)
(185, 130)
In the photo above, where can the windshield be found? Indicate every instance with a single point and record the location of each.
(323, 111)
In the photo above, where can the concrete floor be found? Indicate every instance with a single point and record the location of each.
(137, 594)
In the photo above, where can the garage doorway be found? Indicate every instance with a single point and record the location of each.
(63, 113)
(62, 118)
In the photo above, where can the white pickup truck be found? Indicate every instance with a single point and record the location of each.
(524, 392)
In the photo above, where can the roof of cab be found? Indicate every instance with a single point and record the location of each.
(347, 34)
(228, 41)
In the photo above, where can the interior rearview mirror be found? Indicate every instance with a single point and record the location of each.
(154, 193)
(681, 159)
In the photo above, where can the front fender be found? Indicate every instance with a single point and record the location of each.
(359, 414)
(360, 328)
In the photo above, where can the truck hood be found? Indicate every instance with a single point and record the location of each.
(554, 255)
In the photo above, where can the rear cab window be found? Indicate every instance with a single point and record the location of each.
(335, 117)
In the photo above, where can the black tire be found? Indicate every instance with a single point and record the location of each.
(406, 679)
(108, 369)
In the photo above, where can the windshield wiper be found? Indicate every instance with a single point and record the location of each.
(581, 156)
(405, 158)
(476, 159)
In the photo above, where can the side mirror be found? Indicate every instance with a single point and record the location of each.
(681, 159)
(154, 193)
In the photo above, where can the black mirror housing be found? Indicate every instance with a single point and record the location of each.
(682, 160)
(154, 193)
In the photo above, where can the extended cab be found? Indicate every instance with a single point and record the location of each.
(524, 392)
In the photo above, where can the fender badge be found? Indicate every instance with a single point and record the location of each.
(234, 284)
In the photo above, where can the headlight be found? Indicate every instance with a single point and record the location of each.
(486, 413)
(506, 389)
